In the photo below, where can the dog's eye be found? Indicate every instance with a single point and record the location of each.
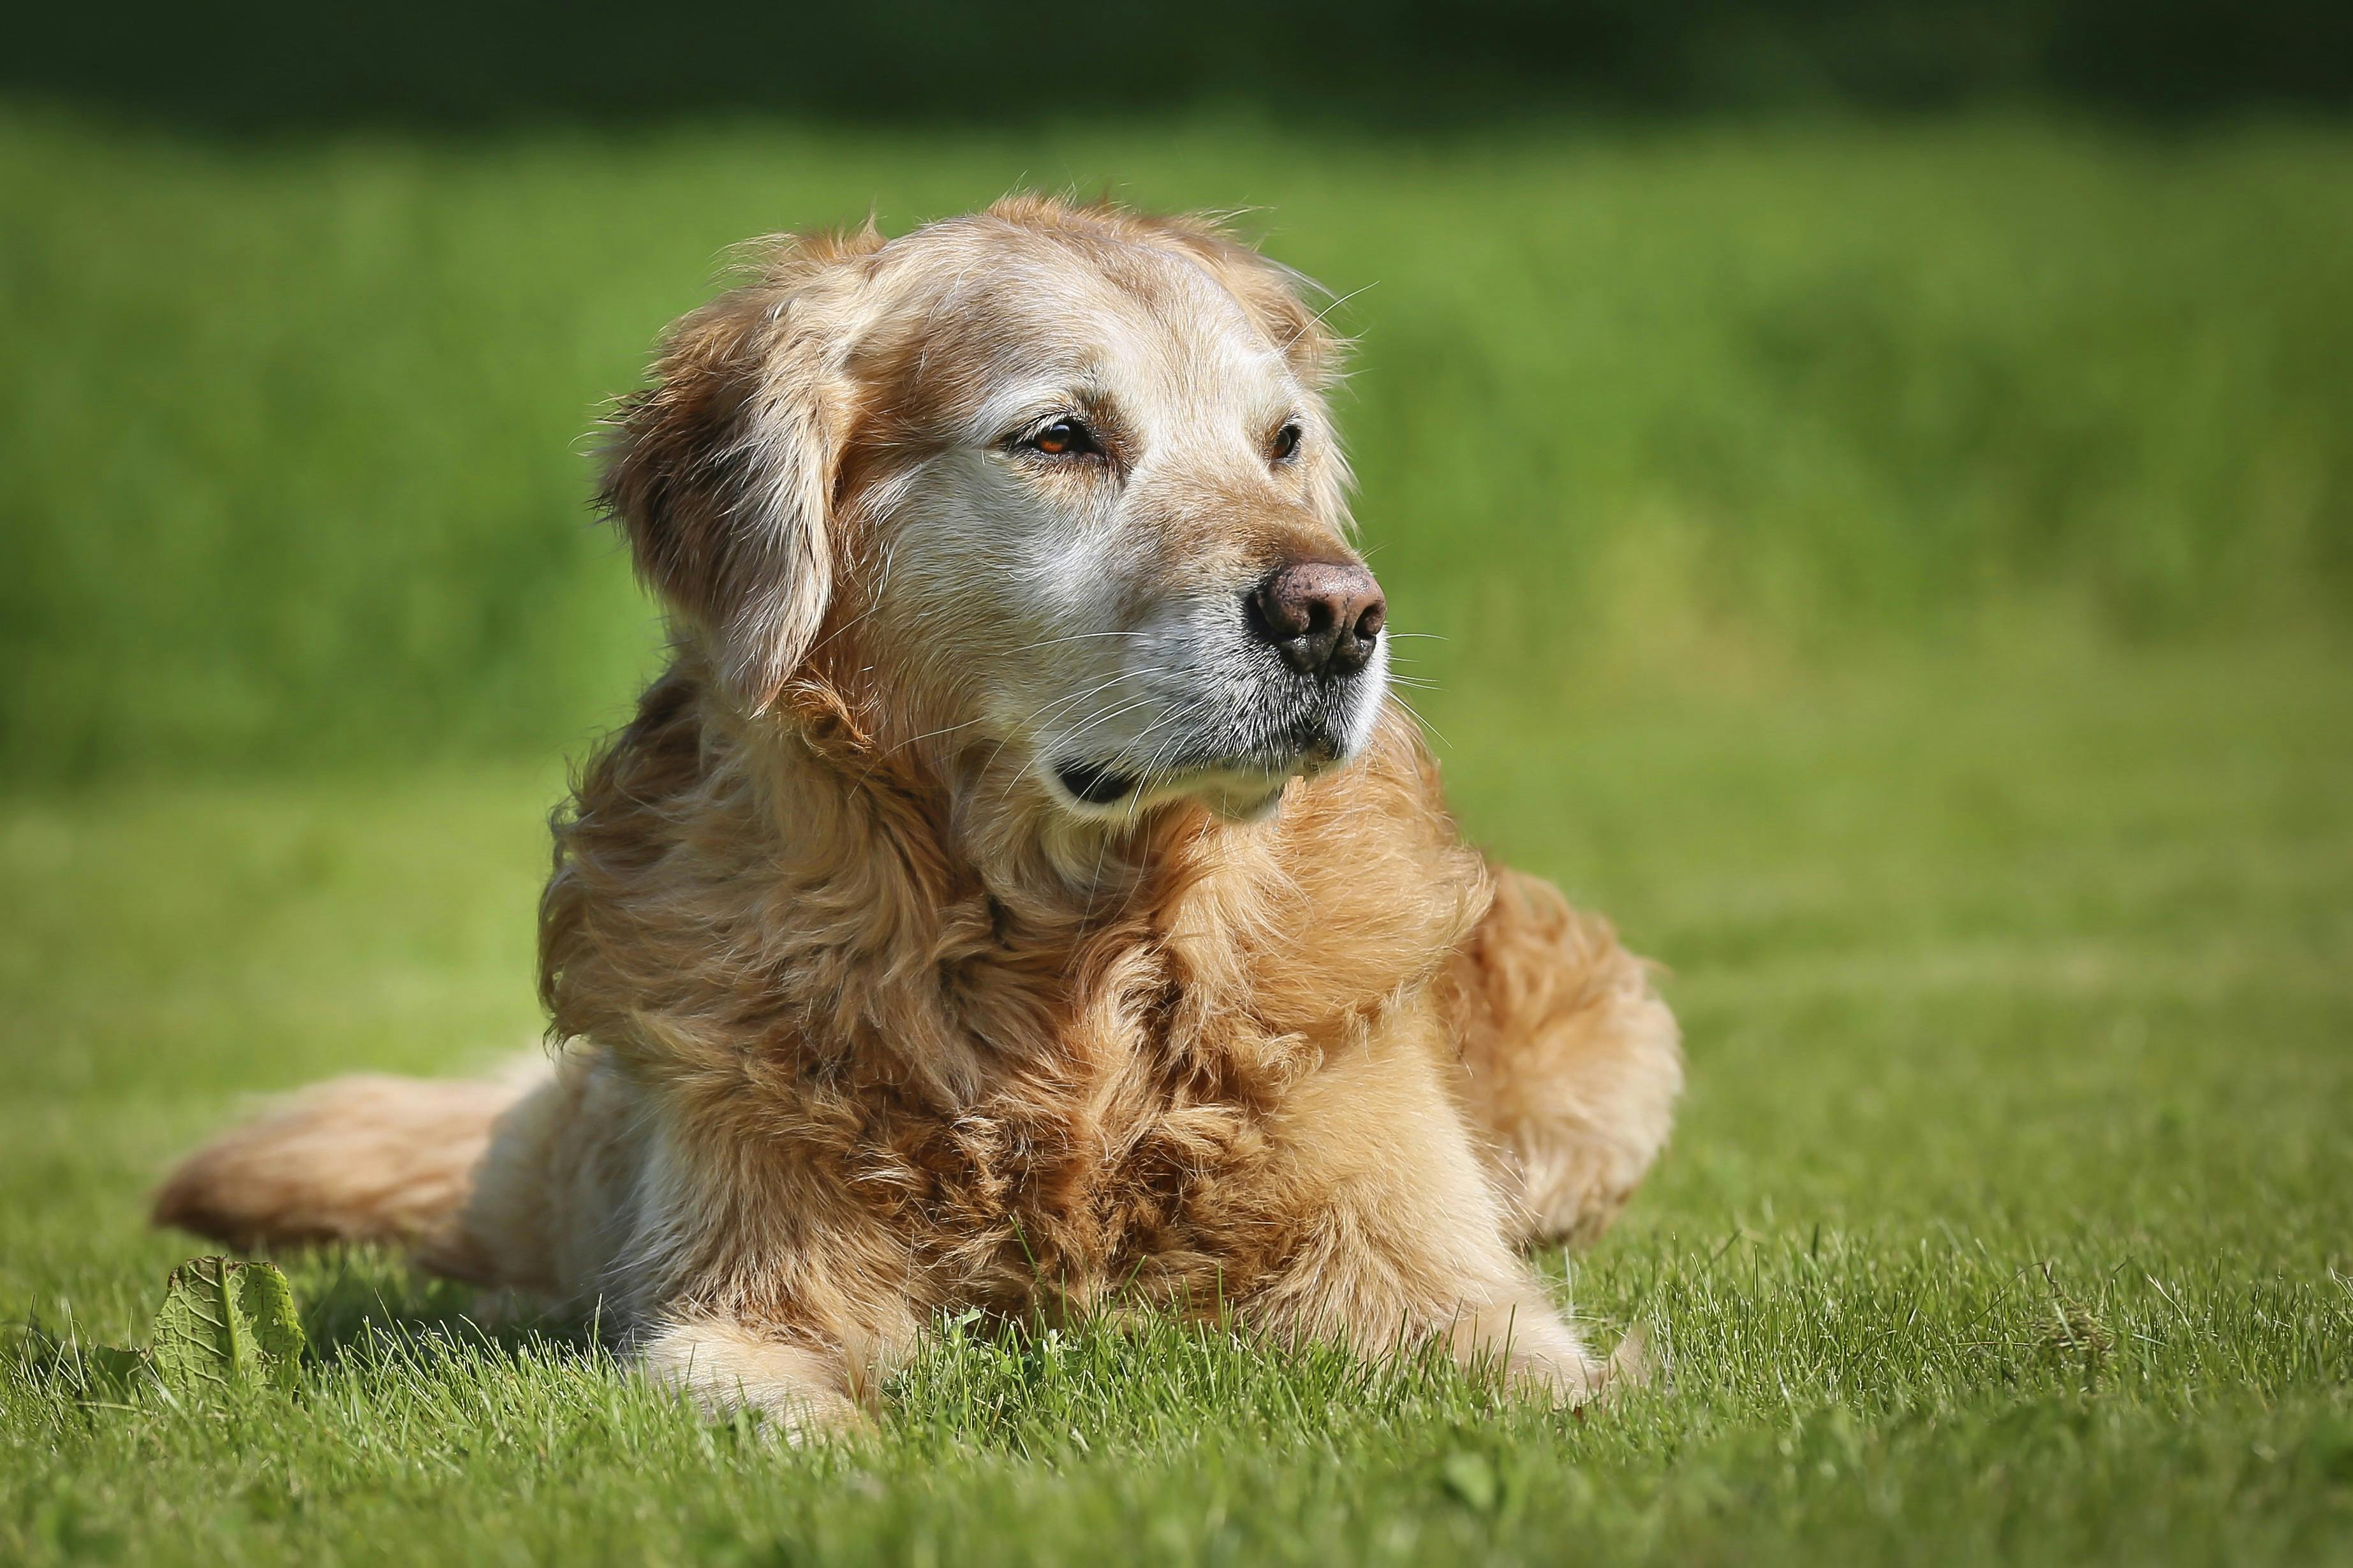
(1286, 442)
(1063, 438)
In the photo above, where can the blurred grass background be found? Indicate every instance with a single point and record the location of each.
(296, 437)
(1881, 479)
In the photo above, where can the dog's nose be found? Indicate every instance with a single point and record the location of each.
(1321, 616)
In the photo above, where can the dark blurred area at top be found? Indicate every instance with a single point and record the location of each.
(273, 65)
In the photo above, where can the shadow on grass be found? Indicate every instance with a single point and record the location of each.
(351, 1297)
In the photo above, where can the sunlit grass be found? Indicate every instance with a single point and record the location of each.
(1898, 573)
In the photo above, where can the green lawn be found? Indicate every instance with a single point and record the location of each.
(2010, 1217)
(1904, 573)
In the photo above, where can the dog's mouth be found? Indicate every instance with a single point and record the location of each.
(1235, 762)
(1237, 792)
(1095, 783)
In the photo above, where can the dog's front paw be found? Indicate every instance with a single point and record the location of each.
(1561, 1371)
(800, 1389)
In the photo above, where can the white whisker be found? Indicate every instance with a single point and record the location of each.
(1415, 713)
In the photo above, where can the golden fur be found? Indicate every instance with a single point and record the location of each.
(860, 1022)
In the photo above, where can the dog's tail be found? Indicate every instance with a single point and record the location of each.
(356, 1159)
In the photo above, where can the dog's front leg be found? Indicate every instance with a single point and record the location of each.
(1404, 1237)
(750, 1285)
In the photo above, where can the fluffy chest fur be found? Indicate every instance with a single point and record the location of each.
(1074, 1175)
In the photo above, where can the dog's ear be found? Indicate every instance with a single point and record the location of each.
(723, 472)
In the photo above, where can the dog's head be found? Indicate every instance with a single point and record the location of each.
(1059, 484)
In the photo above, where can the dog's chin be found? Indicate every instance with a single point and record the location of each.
(1238, 793)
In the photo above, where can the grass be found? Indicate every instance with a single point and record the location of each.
(294, 434)
(1901, 573)
(2008, 1220)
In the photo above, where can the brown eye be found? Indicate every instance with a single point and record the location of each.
(1286, 442)
(1063, 438)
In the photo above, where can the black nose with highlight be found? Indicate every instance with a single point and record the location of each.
(1322, 616)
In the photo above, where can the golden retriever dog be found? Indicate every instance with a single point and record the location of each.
(1019, 892)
